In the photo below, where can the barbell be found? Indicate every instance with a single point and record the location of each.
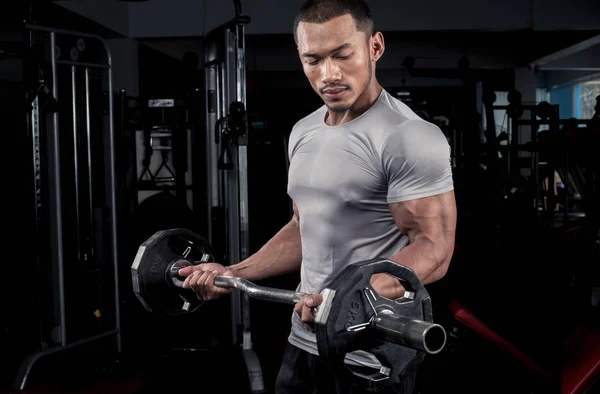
(352, 316)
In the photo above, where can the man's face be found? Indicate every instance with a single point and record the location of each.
(336, 58)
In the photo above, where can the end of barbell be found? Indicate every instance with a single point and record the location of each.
(416, 334)
(172, 272)
(434, 339)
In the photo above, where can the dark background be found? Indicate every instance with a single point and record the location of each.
(530, 276)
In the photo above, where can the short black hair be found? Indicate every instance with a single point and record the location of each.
(321, 11)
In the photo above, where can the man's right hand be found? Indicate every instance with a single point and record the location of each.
(201, 279)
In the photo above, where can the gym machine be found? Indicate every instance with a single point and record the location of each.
(75, 192)
(227, 169)
(555, 150)
(164, 133)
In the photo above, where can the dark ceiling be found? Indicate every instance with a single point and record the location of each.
(49, 14)
(522, 47)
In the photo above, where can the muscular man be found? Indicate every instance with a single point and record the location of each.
(368, 178)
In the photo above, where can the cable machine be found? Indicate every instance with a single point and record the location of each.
(70, 128)
(227, 168)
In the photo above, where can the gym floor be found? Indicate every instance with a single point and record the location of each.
(456, 370)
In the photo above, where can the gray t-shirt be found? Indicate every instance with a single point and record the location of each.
(342, 179)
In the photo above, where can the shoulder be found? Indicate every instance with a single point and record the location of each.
(393, 111)
(408, 133)
(416, 142)
(417, 132)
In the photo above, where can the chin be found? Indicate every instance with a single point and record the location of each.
(338, 106)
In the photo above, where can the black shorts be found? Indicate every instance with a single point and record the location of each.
(303, 372)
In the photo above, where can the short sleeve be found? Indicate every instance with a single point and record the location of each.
(416, 161)
(292, 143)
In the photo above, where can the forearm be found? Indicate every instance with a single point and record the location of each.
(428, 259)
(281, 255)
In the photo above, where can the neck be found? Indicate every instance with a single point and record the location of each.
(360, 106)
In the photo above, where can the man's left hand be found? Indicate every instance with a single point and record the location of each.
(304, 309)
(387, 286)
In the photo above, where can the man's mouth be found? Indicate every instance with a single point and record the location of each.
(334, 92)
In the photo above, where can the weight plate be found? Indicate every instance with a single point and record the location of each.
(354, 304)
(153, 285)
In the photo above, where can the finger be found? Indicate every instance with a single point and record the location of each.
(186, 282)
(190, 281)
(307, 318)
(186, 271)
(314, 300)
(307, 315)
(201, 285)
(193, 280)
(210, 282)
(298, 307)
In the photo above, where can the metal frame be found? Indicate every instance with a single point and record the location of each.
(225, 81)
(540, 63)
(55, 207)
(515, 147)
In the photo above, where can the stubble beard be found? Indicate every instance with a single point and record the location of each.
(343, 107)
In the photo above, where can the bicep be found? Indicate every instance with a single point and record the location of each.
(430, 218)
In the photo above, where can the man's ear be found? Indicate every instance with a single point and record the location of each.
(377, 46)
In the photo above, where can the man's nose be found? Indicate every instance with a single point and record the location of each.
(331, 72)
